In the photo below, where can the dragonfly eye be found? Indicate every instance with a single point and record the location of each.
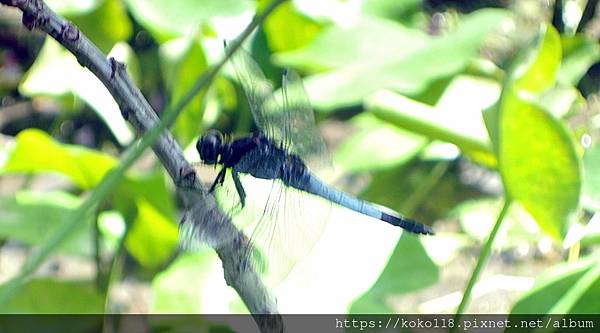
(209, 147)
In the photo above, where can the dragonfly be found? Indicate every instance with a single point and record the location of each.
(286, 150)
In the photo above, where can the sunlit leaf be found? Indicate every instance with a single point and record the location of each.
(32, 217)
(376, 145)
(35, 151)
(286, 28)
(105, 25)
(370, 38)
(153, 187)
(408, 269)
(55, 297)
(537, 71)
(408, 74)
(166, 20)
(73, 7)
(153, 237)
(565, 288)
(174, 292)
(538, 162)
(56, 72)
(183, 62)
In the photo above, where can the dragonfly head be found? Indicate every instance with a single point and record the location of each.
(210, 146)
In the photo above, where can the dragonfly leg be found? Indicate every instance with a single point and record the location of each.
(218, 180)
(239, 188)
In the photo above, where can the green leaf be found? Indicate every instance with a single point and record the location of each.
(169, 19)
(286, 28)
(454, 126)
(183, 62)
(410, 73)
(408, 269)
(56, 72)
(376, 145)
(537, 71)
(539, 164)
(152, 187)
(55, 297)
(153, 237)
(537, 157)
(339, 47)
(105, 25)
(591, 178)
(73, 7)
(570, 288)
(580, 52)
(392, 9)
(35, 151)
(174, 292)
(31, 217)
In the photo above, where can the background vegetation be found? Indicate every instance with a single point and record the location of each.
(482, 122)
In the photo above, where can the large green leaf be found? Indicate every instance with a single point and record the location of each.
(182, 63)
(376, 145)
(32, 217)
(570, 288)
(537, 69)
(370, 38)
(105, 25)
(153, 237)
(537, 158)
(410, 73)
(153, 187)
(35, 151)
(286, 28)
(408, 269)
(56, 72)
(45, 295)
(174, 292)
(169, 19)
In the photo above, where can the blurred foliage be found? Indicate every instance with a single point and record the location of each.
(440, 110)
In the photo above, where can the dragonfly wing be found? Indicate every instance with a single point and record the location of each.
(290, 224)
(301, 131)
(256, 87)
(287, 222)
(286, 115)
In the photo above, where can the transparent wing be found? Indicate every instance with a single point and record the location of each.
(283, 224)
(289, 224)
(290, 112)
(256, 87)
(285, 116)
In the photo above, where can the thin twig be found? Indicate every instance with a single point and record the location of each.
(134, 107)
(588, 14)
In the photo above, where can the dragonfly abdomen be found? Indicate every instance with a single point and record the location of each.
(317, 187)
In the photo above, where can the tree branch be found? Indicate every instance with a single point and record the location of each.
(201, 209)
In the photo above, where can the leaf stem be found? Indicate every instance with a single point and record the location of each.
(483, 258)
